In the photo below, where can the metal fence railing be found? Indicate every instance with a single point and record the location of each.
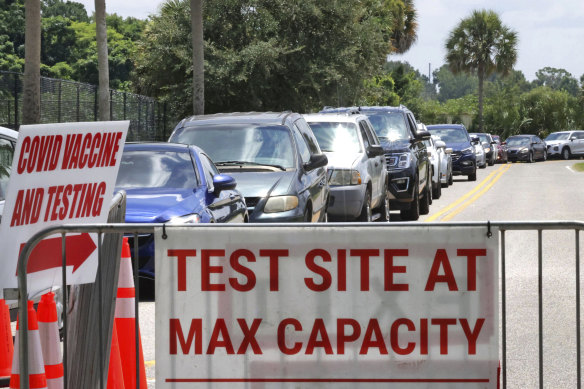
(503, 228)
(70, 101)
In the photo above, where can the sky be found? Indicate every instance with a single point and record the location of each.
(551, 33)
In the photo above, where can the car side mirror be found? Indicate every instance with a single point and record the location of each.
(448, 150)
(423, 135)
(316, 161)
(375, 151)
(440, 144)
(474, 140)
(223, 182)
(572, 139)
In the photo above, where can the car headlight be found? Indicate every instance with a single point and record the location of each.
(403, 161)
(280, 204)
(488, 150)
(345, 177)
(186, 219)
(468, 150)
(523, 151)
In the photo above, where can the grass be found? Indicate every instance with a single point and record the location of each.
(579, 167)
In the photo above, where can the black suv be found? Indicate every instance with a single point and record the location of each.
(406, 157)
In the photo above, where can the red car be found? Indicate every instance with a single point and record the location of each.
(501, 150)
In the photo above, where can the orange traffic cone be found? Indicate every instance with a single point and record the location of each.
(125, 321)
(36, 368)
(6, 345)
(50, 341)
(115, 375)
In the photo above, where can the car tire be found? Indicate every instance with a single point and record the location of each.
(566, 154)
(307, 218)
(544, 155)
(413, 213)
(437, 192)
(473, 176)
(366, 212)
(426, 200)
(385, 208)
(450, 179)
(530, 158)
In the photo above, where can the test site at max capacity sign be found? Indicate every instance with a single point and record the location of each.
(305, 307)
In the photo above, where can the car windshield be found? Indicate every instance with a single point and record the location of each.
(336, 137)
(450, 135)
(519, 141)
(483, 138)
(558, 136)
(6, 154)
(256, 144)
(156, 169)
(389, 125)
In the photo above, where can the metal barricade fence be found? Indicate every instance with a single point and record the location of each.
(502, 227)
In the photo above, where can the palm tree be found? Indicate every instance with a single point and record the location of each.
(198, 59)
(481, 44)
(31, 102)
(102, 61)
(404, 32)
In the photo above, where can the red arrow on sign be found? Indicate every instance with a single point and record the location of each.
(47, 253)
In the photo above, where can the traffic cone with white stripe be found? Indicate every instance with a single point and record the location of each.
(125, 321)
(6, 345)
(36, 368)
(115, 375)
(50, 341)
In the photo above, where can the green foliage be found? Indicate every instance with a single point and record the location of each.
(379, 90)
(71, 10)
(545, 110)
(12, 35)
(453, 86)
(557, 79)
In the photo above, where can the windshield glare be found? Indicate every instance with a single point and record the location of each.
(156, 169)
(514, 142)
(450, 135)
(336, 137)
(390, 125)
(266, 145)
(558, 136)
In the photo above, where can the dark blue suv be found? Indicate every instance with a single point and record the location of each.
(406, 157)
(463, 156)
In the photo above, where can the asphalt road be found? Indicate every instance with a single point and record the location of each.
(539, 191)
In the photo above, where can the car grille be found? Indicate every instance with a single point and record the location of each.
(252, 202)
(455, 156)
(512, 151)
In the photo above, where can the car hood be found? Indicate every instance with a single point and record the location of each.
(260, 184)
(401, 145)
(458, 146)
(161, 205)
(517, 148)
(555, 142)
(340, 160)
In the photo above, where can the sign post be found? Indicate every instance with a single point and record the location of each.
(61, 173)
(343, 305)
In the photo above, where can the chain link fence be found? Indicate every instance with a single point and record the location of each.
(70, 101)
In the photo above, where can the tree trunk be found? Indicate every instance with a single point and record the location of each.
(198, 58)
(102, 61)
(481, 75)
(31, 102)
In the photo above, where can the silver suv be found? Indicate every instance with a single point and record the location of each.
(356, 166)
(565, 144)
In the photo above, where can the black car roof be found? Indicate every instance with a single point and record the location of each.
(445, 126)
(277, 118)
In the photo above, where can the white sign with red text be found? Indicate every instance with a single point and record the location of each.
(61, 173)
(326, 306)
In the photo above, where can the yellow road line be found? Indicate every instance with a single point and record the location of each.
(466, 196)
(476, 196)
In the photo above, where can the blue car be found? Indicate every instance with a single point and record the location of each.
(175, 184)
(456, 137)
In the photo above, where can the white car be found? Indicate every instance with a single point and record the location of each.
(357, 175)
(445, 161)
(435, 163)
(565, 144)
(479, 152)
(7, 145)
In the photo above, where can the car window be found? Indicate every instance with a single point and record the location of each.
(389, 125)
(336, 137)
(156, 169)
(210, 170)
(519, 141)
(371, 136)
(308, 136)
(366, 142)
(580, 135)
(6, 155)
(413, 125)
(558, 136)
(450, 135)
(302, 147)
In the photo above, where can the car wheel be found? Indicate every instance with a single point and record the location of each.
(437, 192)
(545, 155)
(385, 208)
(473, 176)
(450, 179)
(426, 200)
(566, 153)
(307, 215)
(366, 213)
(492, 162)
(413, 213)
(530, 160)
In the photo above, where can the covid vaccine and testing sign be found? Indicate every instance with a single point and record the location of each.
(61, 173)
(334, 306)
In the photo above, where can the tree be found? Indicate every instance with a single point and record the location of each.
(405, 25)
(198, 57)
(481, 44)
(454, 86)
(102, 60)
(31, 101)
(557, 79)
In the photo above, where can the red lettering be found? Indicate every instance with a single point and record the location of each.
(181, 266)
(51, 191)
(105, 152)
(390, 270)
(220, 338)
(342, 337)
(471, 336)
(56, 203)
(282, 336)
(207, 269)
(66, 193)
(365, 254)
(471, 265)
(176, 333)
(394, 337)
(117, 136)
(24, 151)
(248, 273)
(16, 213)
(373, 331)
(76, 189)
(98, 199)
(443, 323)
(274, 256)
(321, 271)
(249, 336)
(424, 336)
(34, 149)
(93, 153)
(342, 270)
(319, 329)
(441, 259)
